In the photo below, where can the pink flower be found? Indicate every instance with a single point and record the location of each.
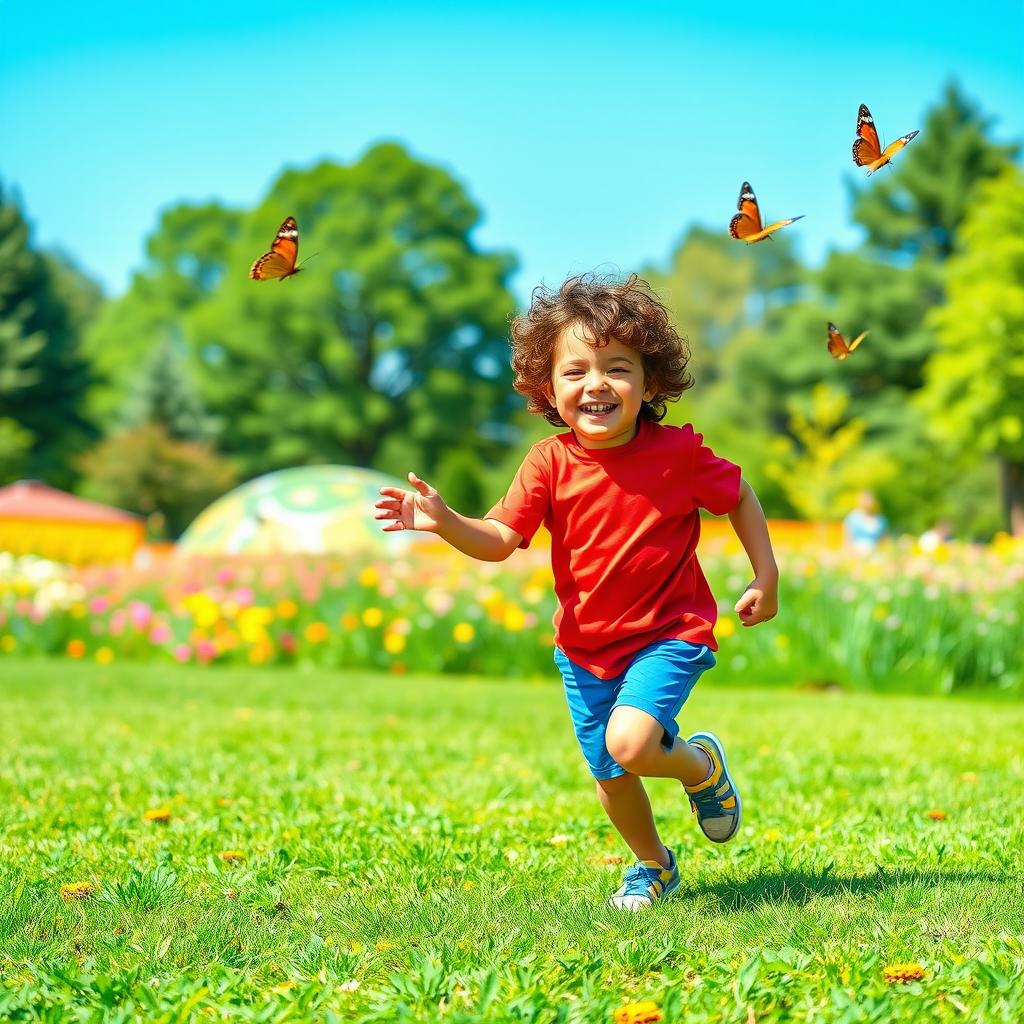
(140, 613)
(287, 642)
(224, 575)
(159, 634)
(205, 651)
(183, 653)
(117, 622)
(243, 597)
(98, 605)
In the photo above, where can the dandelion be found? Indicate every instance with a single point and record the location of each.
(463, 632)
(161, 814)
(372, 617)
(937, 815)
(369, 577)
(646, 1012)
(104, 656)
(230, 856)
(724, 628)
(902, 974)
(7, 643)
(382, 946)
(77, 890)
(286, 609)
(772, 835)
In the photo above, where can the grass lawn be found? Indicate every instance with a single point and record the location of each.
(425, 848)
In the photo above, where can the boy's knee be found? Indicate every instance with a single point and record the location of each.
(628, 747)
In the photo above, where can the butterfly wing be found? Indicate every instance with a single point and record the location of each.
(837, 347)
(280, 261)
(865, 148)
(765, 232)
(856, 341)
(748, 221)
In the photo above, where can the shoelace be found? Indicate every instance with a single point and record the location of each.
(708, 804)
(637, 880)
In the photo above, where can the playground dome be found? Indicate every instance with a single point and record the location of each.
(307, 510)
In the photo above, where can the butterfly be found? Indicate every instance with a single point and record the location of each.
(837, 346)
(746, 225)
(280, 261)
(866, 150)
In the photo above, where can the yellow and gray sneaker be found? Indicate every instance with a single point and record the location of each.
(716, 801)
(644, 883)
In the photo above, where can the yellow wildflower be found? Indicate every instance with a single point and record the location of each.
(104, 655)
(77, 890)
(286, 609)
(513, 618)
(724, 628)
(231, 855)
(317, 632)
(463, 632)
(394, 643)
(7, 643)
(369, 577)
(902, 974)
(372, 617)
(646, 1012)
(349, 620)
(158, 814)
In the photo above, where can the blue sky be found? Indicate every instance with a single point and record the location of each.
(589, 135)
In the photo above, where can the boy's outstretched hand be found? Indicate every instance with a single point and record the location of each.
(759, 603)
(422, 509)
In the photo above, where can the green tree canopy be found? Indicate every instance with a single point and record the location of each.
(388, 350)
(43, 375)
(974, 395)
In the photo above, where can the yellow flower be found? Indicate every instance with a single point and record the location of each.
(78, 610)
(383, 946)
(369, 577)
(513, 618)
(724, 628)
(901, 974)
(317, 632)
(286, 609)
(77, 890)
(231, 855)
(7, 643)
(349, 620)
(284, 986)
(394, 643)
(158, 814)
(463, 632)
(258, 655)
(879, 612)
(773, 835)
(373, 617)
(75, 648)
(104, 655)
(646, 1012)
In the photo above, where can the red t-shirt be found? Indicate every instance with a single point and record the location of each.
(624, 526)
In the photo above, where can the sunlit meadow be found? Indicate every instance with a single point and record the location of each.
(178, 844)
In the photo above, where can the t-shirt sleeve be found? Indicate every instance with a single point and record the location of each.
(526, 504)
(714, 482)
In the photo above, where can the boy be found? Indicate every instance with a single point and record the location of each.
(620, 495)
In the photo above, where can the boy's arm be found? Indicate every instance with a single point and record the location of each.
(760, 601)
(424, 509)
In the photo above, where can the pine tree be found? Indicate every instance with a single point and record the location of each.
(43, 377)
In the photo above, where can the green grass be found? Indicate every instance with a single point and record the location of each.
(399, 864)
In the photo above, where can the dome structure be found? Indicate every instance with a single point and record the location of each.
(315, 510)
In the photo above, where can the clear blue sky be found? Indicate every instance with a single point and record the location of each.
(589, 135)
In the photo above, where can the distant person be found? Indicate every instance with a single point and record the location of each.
(620, 494)
(934, 537)
(864, 526)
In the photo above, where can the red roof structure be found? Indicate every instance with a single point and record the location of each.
(30, 499)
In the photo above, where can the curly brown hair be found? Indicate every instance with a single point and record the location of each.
(606, 308)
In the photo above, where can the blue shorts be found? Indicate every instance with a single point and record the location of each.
(658, 680)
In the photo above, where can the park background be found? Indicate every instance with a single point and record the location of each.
(441, 163)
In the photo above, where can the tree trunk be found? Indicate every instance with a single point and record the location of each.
(1013, 495)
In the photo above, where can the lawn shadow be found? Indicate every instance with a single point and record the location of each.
(801, 886)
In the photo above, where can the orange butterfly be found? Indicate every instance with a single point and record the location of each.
(746, 225)
(866, 150)
(837, 346)
(280, 261)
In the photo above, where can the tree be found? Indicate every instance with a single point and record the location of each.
(187, 258)
(146, 470)
(974, 394)
(164, 394)
(43, 375)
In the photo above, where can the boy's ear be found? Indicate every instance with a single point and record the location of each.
(550, 396)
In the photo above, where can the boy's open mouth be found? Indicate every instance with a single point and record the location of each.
(597, 408)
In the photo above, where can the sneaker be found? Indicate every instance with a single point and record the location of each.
(644, 883)
(715, 801)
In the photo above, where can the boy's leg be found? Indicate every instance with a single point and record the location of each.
(625, 801)
(635, 739)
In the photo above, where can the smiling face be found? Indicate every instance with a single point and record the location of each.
(597, 390)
